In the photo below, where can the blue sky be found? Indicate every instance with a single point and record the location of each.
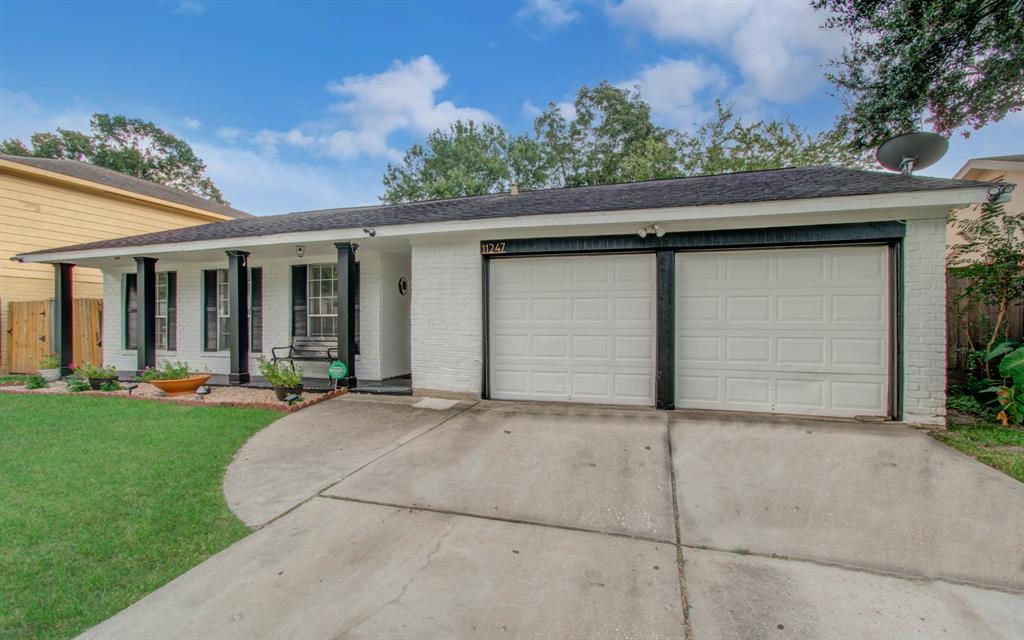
(300, 105)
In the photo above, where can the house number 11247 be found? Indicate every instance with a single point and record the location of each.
(487, 248)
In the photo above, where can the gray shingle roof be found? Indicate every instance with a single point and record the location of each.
(111, 178)
(753, 186)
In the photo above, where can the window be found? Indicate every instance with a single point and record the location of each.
(223, 310)
(256, 309)
(166, 316)
(322, 300)
(131, 311)
(166, 311)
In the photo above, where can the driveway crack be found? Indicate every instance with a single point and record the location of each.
(680, 560)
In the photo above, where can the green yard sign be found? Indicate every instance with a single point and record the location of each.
(337, 370)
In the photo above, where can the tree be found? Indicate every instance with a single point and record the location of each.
(723, 144)
(465, 160)
(129, 145)
(991, 258)
(610, 138)
(958, 62)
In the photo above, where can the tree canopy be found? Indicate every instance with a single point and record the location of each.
(957, 63)
(607, 137)
(129, 145)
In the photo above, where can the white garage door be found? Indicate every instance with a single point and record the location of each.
(575, 329)
(784, 330)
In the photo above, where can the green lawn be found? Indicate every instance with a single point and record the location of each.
(103, 500)
(997, 446)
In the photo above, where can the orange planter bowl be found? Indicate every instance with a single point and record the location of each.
(182, 385)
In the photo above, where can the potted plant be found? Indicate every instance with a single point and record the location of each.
(96, 376)
(49, 368)
(287, 379)
(174, 377)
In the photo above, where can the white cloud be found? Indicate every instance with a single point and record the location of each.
(190, 8)
(229, 133)
(675, 88)
(402, 98)
(567, 108)
(20, 116)
(778, 48)
(191, 123)
(262, 184)
(552, 14)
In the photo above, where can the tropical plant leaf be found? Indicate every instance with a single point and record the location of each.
(1000, 349)
(1012, 366)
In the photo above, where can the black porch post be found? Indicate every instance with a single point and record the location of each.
(145, 318)
(347, 309)
(665, 386)
(61, 340)
(238, 303)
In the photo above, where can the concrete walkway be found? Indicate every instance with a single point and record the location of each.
(383, 519)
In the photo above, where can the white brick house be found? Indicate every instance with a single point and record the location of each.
(816, 291)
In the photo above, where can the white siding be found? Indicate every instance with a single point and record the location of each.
(924, 317)
(447, 320)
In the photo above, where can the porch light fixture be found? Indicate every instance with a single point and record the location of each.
(370, 231)
(650, 229)
(300, 250)
(996, 191)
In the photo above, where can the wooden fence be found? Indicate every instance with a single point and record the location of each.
(30, 327)
(967, 322)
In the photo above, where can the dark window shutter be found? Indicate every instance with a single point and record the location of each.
(299, 300)
(172, 311)
(256, 309)
(131, 311)
(355, 293)
(209, 310)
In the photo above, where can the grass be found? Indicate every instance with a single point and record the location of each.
(990, 444)
(14, 379)
(103, 500)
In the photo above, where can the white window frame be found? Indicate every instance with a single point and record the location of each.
(161, 317)
(322, 300)
(223, 310)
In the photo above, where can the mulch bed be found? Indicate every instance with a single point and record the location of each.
(243, 397)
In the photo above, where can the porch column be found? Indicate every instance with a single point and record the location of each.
(145, 319)
(347, 309)
(238, 324)
(665, 386)
(61, 339)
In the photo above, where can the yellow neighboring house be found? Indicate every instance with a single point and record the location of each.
(46, 203)
(1009, 169)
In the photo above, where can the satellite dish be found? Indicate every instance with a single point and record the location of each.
(911, 151)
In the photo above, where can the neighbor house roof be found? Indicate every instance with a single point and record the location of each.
(1013, 162)
(110, 178)
(733, 188)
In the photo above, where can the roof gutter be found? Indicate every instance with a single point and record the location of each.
(951, 198)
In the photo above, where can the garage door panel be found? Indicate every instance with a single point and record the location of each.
(784, 330)
(590, 329)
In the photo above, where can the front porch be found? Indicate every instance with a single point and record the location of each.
(220, 312)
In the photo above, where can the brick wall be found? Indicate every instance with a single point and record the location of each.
(447, 323)
(924, 318)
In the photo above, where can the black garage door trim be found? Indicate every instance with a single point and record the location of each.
(887, 233)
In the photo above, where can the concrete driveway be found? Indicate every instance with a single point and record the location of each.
(395, 518)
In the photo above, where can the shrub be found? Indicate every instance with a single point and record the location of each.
(110, 385)
(280, 374)
(89, 370)
(965, 403)
(49, 362)
(76, 384)
(167, 371)
(35, 382)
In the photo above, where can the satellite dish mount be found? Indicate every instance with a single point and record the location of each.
(912, 151)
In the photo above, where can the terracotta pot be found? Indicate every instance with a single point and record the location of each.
(181, 385)
(284, 392)
(96, 383)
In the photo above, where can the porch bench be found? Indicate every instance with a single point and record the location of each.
(306, 349)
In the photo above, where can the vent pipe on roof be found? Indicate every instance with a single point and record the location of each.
(514, 189)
